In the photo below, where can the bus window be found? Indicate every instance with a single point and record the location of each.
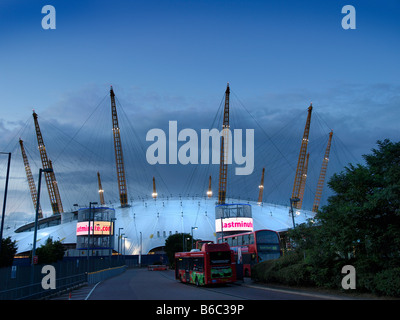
(234, 241)
(267, 237)
(251, 238)
(198, 264)
(220, 257)
(268, 246)
(179, 263)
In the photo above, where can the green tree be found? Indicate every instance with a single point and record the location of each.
(360, 225)
(50, 252)
(363, 217)
(8, 251)
(177, 242)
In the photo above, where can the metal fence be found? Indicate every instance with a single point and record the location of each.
(101, 275)
(29, 282)
(23, 281)
(132, 261)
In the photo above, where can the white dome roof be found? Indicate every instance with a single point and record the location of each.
(157, 219)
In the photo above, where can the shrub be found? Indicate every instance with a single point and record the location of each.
(50, 252)
(8, 250)
(290, 269)
(387, 282)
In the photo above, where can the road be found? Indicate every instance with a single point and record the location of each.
(141, 284)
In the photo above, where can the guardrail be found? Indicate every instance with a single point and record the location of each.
(97, 276)
(26, 282)
(35, 290)
(23, 281)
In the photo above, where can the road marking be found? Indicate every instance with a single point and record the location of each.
(87, 297)
(313, 295)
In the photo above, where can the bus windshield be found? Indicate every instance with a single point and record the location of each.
(266, 236)
(272, 252)
(220, 257)
(267, 245)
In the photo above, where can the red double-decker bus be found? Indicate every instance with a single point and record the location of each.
(253, 247)
(213, 264)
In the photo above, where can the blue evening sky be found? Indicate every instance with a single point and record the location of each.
(192, 48)
(163, 56)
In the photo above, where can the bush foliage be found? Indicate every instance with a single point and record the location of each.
(7, 252)
(359, 226)
(50, 252)
(177, 242)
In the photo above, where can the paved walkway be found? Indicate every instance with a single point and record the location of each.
(82, 293)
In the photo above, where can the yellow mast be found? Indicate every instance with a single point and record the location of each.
(209, 192)
(322, 175)
(31, 182)
(261, 187)
(119, 159)
(50, 177)
(302, 157)
(303, 182)
(101, 191)
(154, 194)
(223, 164)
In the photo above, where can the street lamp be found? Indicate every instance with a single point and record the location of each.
(90, 215)
(140, 251)
(5, 196)
(119, 237)
(124, 247)
(112, 227)
(293, 200)
(37, 211)
(186, 243)
(193, 228)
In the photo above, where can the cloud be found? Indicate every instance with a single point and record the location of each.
(362, 114)
(78, 137)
